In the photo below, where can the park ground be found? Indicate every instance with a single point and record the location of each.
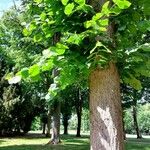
(37, 141)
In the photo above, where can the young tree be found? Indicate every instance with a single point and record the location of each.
(66, 107)
(130, 100)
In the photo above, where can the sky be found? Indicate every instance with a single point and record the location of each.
(6, 4)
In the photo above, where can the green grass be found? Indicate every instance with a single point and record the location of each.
(69, 142)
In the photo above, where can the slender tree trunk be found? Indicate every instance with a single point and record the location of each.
(123, 126)
(124, 132)
(65, 123)
(105, 110)
(48, 123)
(55, 136)
(44, 127)
(139, 136)
(79, 112)
(78, 125)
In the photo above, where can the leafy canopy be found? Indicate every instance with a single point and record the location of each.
(77, 40)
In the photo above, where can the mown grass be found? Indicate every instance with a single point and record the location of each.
(69, 142)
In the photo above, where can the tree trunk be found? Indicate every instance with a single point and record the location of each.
(79, 112)
(78, 125)
(44, 127)
(105, 110)
(65, 123)
(123, 115)
(55, 137)
(48, 123)
(139, 136)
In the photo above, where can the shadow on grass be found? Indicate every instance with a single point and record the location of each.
(74, 139)
(74, 136)
(137, 146)
(135, 140)
(2, 141)
(129, 146)
(47, 147)
(71, 142)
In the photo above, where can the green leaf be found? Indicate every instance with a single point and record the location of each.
(43, 16)
(143, 71)
(80, 2)
(26, 32)
(122, 4)
(105, 8)
(146, 6)
(60, 51)
(145, 47)
(64, 2)
(104, 22)
(88, 24)
(103, 29)
(115, 10)
(24, 73)
(61, 48)
(85, 8)
(97, 16)
(75, 39)
(37, 37)
(8, 76)
(35, 78)
(34, 70)
(32, 26)
(38, 1)
(144, 25)
(47, 53)
(69, 9)
(132, 81)
(98, 44)
(47, 66)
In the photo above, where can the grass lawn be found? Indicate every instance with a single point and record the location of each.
(70, 142)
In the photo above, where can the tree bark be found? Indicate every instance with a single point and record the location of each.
(55, 136)
(48, 123)
(105, 110)
(139, 136)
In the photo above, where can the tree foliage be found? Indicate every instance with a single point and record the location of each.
(84, 41)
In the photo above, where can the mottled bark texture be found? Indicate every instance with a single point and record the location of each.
(96, 4)
(105, 104)
(55, 136)
(105, 110)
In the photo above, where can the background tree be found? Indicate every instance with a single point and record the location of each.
(132, 98)
(66, 108)
(17, 51)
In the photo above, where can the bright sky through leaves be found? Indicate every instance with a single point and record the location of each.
(6, 4)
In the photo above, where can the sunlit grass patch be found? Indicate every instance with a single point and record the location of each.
(68, 142)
